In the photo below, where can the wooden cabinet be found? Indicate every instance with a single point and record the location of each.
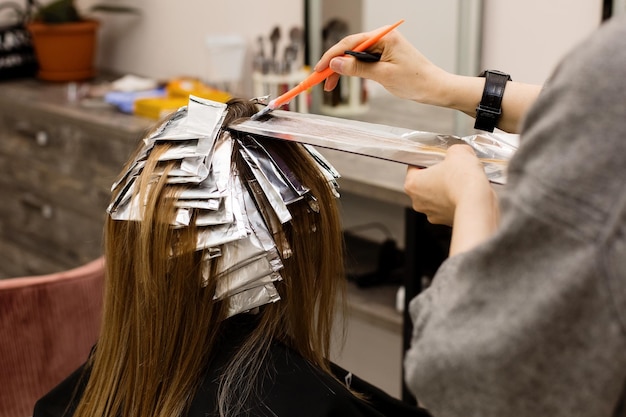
(58, 160)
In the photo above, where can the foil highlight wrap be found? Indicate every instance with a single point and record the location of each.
(236, 238)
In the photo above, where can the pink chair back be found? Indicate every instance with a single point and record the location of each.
(48, 325)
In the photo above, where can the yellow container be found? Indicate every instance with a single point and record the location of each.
(184, 87)
(178, 92)
(158, 107)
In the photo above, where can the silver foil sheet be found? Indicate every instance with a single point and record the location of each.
(406, 146)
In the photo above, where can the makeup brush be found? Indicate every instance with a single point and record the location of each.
(274, 39)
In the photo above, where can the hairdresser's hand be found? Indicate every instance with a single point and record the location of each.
(406, 73)
(456, 192)
(402, 69)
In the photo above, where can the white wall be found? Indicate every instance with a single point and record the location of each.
(429, 25)
(527, 38)
(168, 40)
(523, 37)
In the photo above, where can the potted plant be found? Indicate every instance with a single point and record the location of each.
(65, 41)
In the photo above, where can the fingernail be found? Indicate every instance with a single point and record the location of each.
(336, 64)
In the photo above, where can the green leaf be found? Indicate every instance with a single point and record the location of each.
(59, 11)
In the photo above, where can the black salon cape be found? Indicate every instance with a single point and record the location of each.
(291, 387)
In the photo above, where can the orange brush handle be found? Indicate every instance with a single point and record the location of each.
(376, 37)
(317, 77)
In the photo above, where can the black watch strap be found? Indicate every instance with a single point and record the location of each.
(489, 110)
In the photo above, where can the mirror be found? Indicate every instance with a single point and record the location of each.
(448, 32)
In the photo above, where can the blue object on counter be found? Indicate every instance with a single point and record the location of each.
(125, 101)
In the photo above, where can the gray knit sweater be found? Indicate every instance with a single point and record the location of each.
(533, 321)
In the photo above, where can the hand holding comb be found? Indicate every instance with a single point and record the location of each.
(317, 77)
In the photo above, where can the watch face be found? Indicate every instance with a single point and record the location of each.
(496, 72)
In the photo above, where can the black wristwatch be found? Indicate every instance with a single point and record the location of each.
(489, 110)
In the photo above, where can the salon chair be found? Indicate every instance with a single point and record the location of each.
(48, 324)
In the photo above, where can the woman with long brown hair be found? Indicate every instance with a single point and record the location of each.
(224, 272)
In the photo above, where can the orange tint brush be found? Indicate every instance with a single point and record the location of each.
(317, 77)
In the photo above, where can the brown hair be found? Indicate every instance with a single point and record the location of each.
(160, 322)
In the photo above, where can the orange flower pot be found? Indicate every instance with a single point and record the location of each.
(65, 51)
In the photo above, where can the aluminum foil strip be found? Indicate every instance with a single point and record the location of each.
(189, 170)
(494, 145)
(128, 206)
(269, 218)
(322, 162)
(288, 174)
(221, 162)
(201, 120)
(326, 168)
(133, 170)
(270, 260)
(129, 210)
(253, 282)
(214, 236)
(173, 120)
(257, 272)
(237, 253)
(205, 119)
(273, 173)
(211, 253)
(196, 121)
(209, 204)
(400, 145)
(195, 166)
(184, 149)
(260, 228)
(122, 198)
(202, 191)
(271, 193)
(251, 299)
(173, 131)
(223, 215)
(183, 218)
(206, 189)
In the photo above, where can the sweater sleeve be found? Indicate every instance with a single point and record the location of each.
(532, 322)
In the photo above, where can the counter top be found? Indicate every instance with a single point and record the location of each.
(56, 98)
